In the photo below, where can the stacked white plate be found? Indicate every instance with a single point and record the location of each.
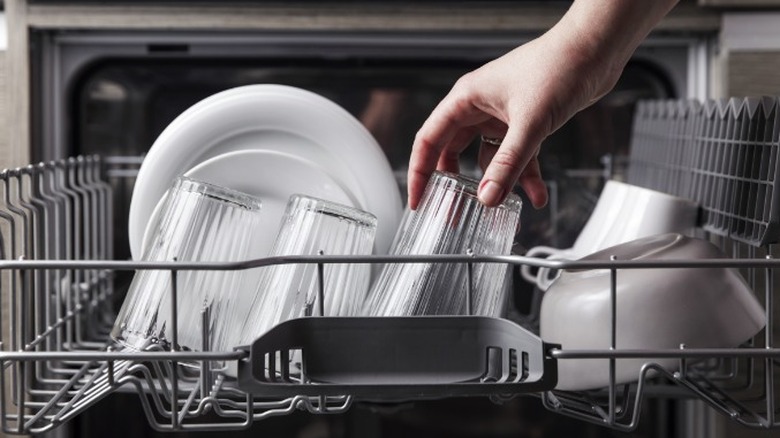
(271, 141)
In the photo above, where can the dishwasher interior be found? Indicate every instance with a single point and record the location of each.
(60, 284)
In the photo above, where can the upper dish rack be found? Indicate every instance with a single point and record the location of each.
(58, 281)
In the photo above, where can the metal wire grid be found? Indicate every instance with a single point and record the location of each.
(741, 383)
(57, 210)
(55, 325)
(720, 153)
(60, 362)
(59, 291)
(175, 400)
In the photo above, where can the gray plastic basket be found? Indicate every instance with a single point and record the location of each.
(721, 154)
(397, 358)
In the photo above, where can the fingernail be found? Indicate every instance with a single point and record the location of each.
(490, 193)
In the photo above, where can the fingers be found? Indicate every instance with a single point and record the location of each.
(429, 155)
(461, 115)
(513, 162)
(440, 140)
(423, 161)
(517, 150)
(450, 155)
(533, 185)
(530, 179)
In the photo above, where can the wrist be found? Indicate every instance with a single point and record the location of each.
(599, 37)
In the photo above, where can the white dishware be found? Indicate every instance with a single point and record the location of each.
(199, 222)
(277, 118)
(623, 213)
(657, 308)
(626, 212)
(272, 176)
(449, 220)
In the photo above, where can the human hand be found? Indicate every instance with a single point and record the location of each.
(527, 94)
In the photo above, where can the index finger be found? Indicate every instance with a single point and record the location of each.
(444, 123)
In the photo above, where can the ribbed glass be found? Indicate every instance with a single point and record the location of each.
(449, 220)
(311, 226)
(198, 222)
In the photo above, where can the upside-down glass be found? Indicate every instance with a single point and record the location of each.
(198, 222)
(311, 226)
(449, 220)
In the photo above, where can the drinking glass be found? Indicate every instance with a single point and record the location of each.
(198, 222)
(449, 220)
(311, 226)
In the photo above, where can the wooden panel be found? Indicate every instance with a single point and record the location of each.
(6, 154)
(753, 73)
(4, 228)
(3, 106)
(17, 150)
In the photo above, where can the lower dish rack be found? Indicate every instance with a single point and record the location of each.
(58, 288)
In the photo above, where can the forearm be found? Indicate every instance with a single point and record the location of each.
(530, 92)
(608, 31)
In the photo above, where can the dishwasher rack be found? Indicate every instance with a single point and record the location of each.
(58, 360)
(58, 292)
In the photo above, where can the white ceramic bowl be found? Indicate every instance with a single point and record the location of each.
(627, 212)
(656, 309)
(623, 213)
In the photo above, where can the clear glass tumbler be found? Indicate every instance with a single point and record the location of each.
(311, 226)
(449, 220)
(198, 222)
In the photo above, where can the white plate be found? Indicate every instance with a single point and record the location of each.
(277, 118)
(271, 176)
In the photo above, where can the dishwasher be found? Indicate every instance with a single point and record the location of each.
(59, 284)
